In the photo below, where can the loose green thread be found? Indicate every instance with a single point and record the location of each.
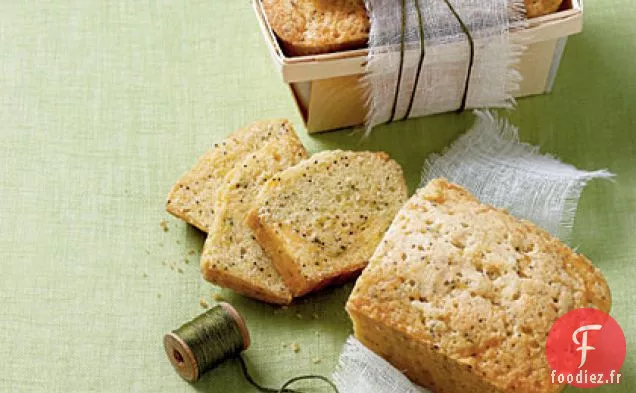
(399, 78)
(259, 387)
(421, 61)
(214, 337)
(307, 377)
(283, 389)
(472, 54)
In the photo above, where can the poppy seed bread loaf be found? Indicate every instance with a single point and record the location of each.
(461, 296)
(321, 219)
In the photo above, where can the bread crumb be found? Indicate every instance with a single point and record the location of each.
(280, 309)
(299, 316)
(217, 297)
(164, 225)
(316, 360)
(203, 303)
(186, 261)
(295, 347)
(191, 252)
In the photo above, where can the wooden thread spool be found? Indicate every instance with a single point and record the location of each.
(217, 335)
(182, 356)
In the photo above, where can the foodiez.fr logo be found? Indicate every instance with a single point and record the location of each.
(586, 348)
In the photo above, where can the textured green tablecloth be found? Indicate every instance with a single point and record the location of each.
(104, 104)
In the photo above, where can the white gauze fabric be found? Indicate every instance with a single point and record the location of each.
(445, 67)
(490, 161)
(360, 370)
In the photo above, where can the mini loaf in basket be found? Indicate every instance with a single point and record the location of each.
(310, 27)
(461, 296)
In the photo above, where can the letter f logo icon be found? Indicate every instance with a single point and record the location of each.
(583, 344)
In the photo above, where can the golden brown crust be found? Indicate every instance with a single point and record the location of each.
(306, 27)
(389, 343)
(181, 213)
(249, 289)
(536, 8)
(476, 285)
(280, 258)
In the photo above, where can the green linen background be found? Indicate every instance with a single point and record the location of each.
(104, 104)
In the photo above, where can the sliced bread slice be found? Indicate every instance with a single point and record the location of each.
(231, 255)
(321, 220)
(461, 296)
(193, 197)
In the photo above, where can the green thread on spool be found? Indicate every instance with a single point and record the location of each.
(213, 337)
(214, 326)
(399, 77)
(471, 43)
(421, 60)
